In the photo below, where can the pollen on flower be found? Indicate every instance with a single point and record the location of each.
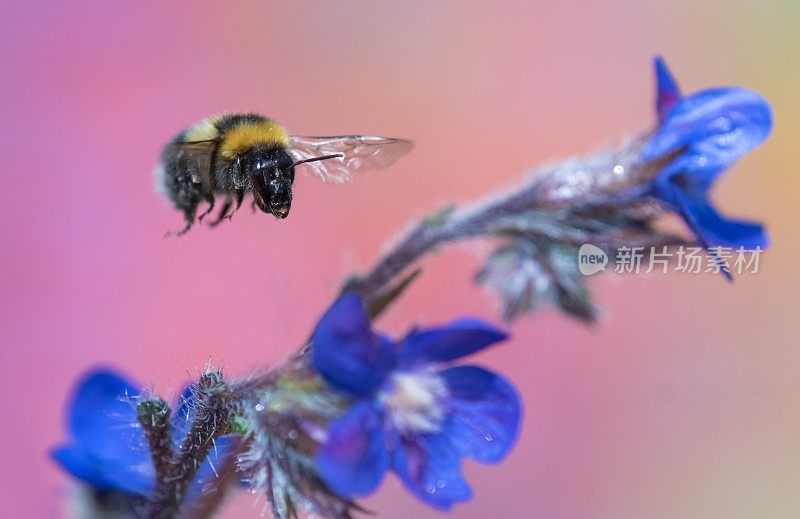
(415, 401)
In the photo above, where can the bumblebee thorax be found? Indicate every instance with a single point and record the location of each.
(253, 135)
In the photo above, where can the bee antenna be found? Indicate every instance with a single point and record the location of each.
(316, 159)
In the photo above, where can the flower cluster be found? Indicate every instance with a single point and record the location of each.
(362, 404)
(612, 199)
(410, 412)
(699, 137)
(108, 448)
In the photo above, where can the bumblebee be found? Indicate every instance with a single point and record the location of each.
(234, 155)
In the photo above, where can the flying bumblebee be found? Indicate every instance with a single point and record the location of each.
(234, 155)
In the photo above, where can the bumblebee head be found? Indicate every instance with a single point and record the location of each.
(272, 174)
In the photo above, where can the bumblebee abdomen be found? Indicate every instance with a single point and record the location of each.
(204, 130)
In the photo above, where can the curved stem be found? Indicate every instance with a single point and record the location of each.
(552, 189)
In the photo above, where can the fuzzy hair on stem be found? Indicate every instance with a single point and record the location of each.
(212, 419)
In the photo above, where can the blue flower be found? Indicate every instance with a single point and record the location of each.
(698, 138)
(108, 449)
(409, 413)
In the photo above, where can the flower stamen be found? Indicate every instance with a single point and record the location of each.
(414, 401)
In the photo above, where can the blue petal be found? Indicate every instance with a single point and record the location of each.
(77, 462)
(673, 181)
(710, 130)
(451, 341)
(430, 468)
(667, 90)
(101, 405)
(105, 474)
(485, 413)
(712, 229)
(354, 459)
(105, 428)
(346, 352)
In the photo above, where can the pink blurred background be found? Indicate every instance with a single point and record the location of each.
(683, 402)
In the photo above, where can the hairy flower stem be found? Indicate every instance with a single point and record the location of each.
(154, 416)
(551, 196)
(212, 420)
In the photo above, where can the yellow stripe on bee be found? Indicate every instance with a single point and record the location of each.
(247, 135)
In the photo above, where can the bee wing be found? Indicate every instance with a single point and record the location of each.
(196, 156)
(354, 154)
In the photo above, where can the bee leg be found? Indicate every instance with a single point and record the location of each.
(223, 213)
(188, 214)
(254, 207)
(238, 197)
(210, 199)
(239, 200)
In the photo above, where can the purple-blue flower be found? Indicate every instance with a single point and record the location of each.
(698, 138)
(107, 448)
(411, 412)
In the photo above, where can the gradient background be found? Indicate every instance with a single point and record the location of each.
(683, 402)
